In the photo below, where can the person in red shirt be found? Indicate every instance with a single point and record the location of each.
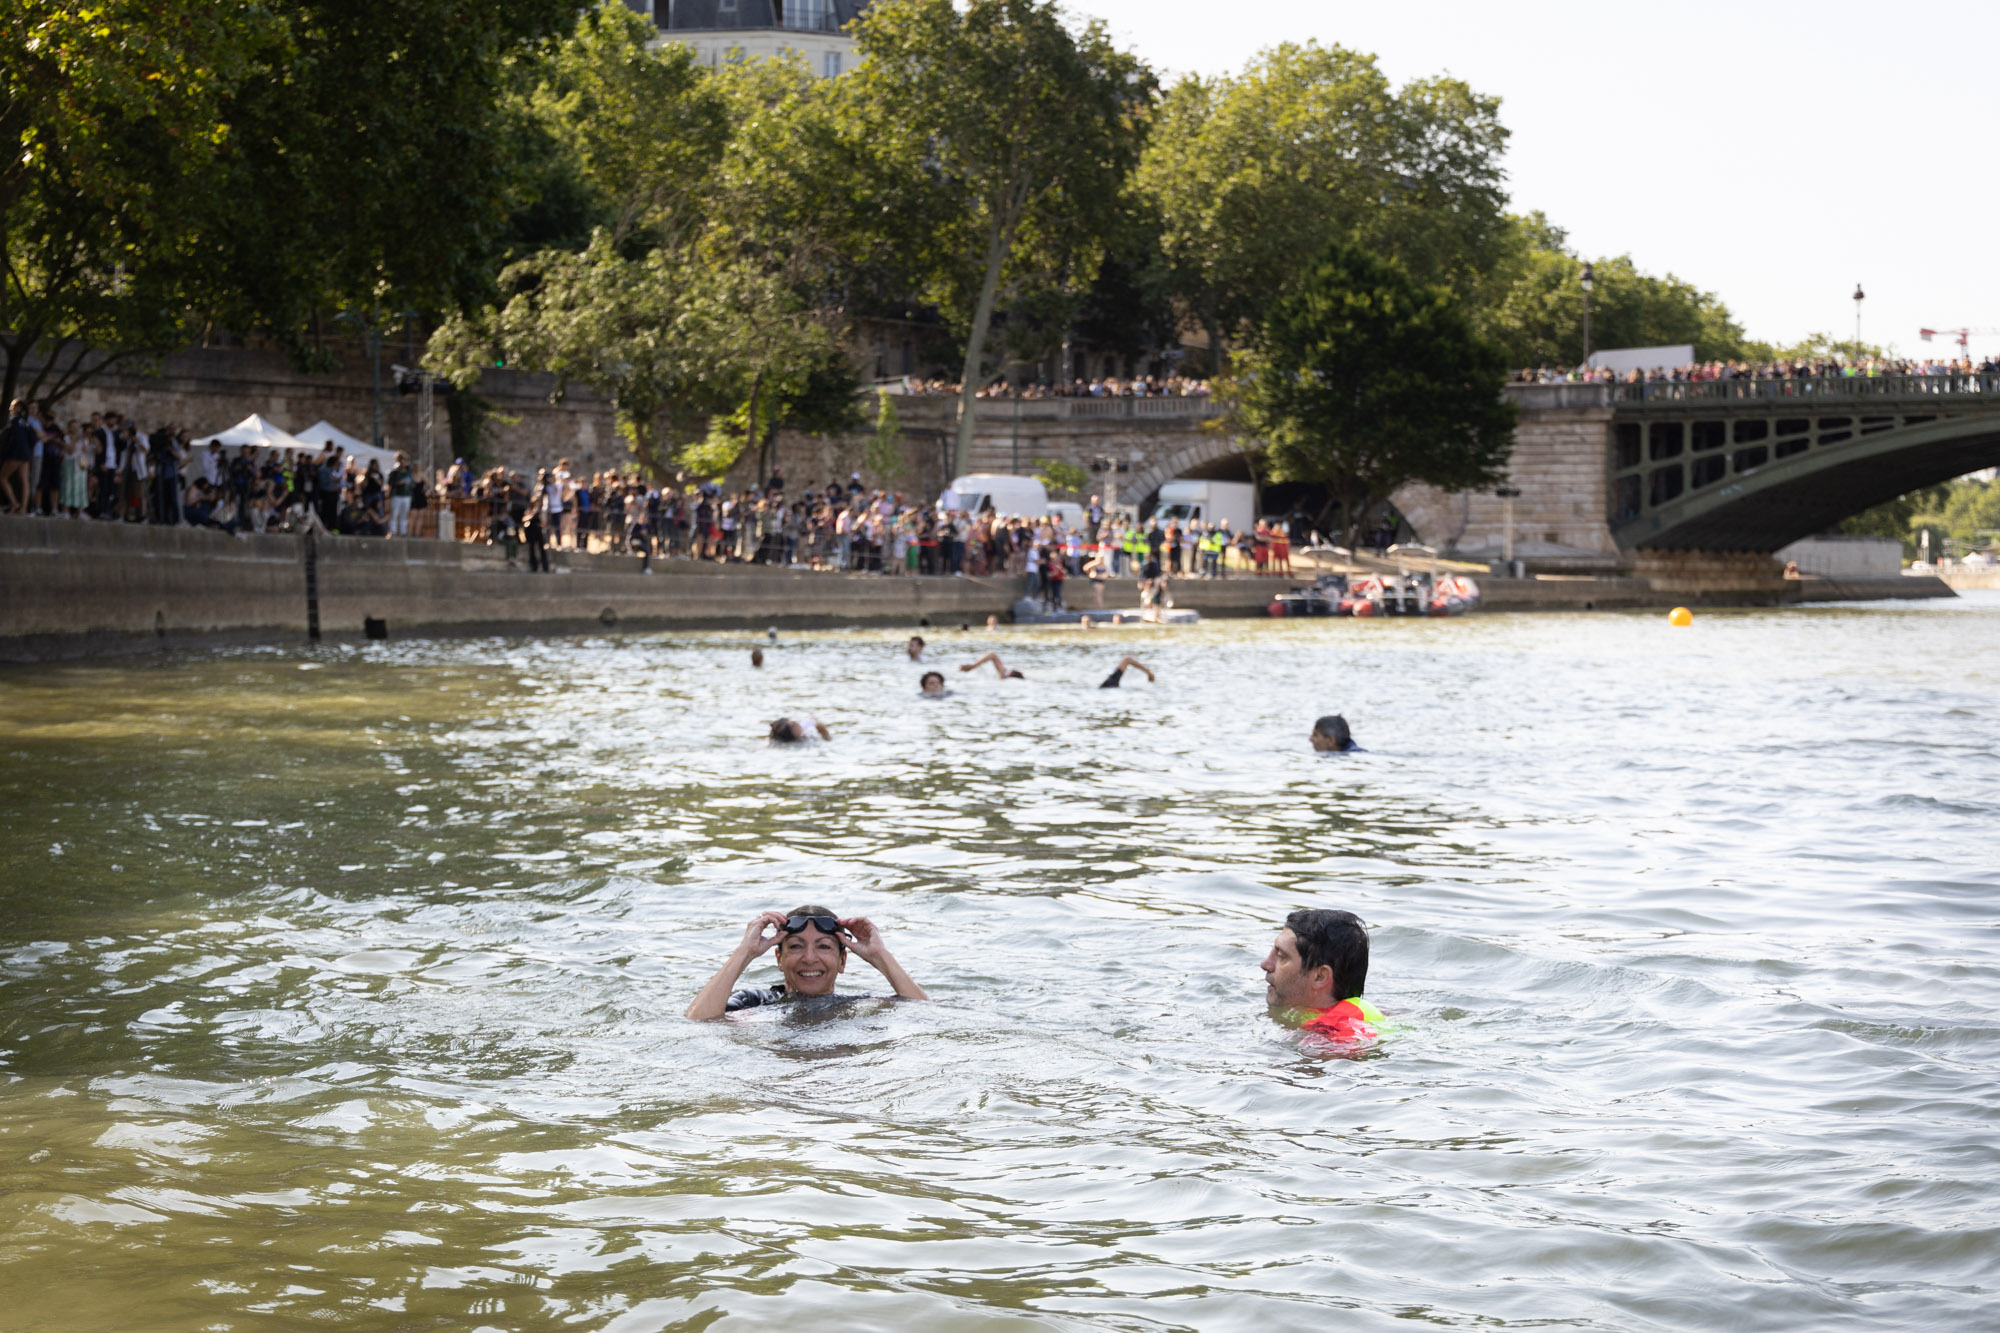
(1316, 971)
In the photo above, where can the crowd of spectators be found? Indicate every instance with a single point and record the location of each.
(109, 467)
(844, 526)
(1797, 369)
(1110, 386)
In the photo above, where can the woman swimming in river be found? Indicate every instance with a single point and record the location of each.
(812, 945)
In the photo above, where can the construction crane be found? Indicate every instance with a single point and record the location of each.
(1964, 337)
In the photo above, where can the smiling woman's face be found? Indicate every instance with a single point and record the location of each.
(811, 961)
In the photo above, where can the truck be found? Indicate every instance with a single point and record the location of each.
(1011, 496)
(1209, 502)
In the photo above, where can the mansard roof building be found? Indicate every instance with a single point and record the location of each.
(724, 30)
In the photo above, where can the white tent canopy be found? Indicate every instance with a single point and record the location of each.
(254, 431)
(320, 432)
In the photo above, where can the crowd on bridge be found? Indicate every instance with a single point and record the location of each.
(1823, 368)
(1109, 386)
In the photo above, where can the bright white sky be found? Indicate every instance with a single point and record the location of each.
(1771, 153)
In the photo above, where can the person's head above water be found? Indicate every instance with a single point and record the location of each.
(1330, 734)
(756, 657)
(812, 950)
(915, 647)
(932, 682)
(1319, 959)
(790, 731)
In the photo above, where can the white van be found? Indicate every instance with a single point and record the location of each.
(1209, 501)
(1012, 497)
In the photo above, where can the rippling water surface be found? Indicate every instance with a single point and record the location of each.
(344, 988)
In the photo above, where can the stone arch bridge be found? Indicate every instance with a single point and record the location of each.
(1607, 472)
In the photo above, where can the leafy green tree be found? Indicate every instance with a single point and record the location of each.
(1310, 145)
(883, 454)
(1057, 475)
(1364, 380)
(999, 141)
(366, 164)
(1532, 304)
(645, 124)
(110, 130)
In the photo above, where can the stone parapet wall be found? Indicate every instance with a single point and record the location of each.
(211, 389)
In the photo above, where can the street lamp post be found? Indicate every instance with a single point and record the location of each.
(372, 336)
(1859, 297)
(1588, 281)
(1507, 494)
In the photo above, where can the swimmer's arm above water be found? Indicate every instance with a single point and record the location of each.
(999, 669)
(866, 942)
(824, 733)
(1136, 665)
(714, 998)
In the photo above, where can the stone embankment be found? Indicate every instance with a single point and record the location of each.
(77, 589)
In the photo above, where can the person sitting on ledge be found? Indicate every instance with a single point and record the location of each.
(999, 667)
(1316, 972)
(812, 947)
(1331, 736)
(791, 731)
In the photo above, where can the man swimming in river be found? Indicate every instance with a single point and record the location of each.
(932, 684)
(1317, 969)
(1111, 682)
(1331, 736)
(812, 947)
(791, 731)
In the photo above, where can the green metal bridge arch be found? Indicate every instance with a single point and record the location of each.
(1751, 465)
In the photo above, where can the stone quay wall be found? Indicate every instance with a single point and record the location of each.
(81, 589)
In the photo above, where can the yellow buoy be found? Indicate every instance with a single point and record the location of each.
(1680, 617)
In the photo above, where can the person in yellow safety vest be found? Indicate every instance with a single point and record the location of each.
(1316, 972)
(1135, 546)
(1216, 546)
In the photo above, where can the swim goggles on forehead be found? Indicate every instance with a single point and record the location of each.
(826, 925)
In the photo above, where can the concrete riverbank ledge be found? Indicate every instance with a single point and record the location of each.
(81, 589)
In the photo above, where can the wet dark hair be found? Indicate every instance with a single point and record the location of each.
(917, 638)
(927, 675)
(756, 657)
(814, 909)
(1331, 938)
(1334, 727)
(785, 731)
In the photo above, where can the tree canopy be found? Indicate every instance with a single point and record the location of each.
(1001, 142)
(1310, 145)
(1364, 380)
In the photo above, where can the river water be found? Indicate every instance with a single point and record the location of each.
(344, 988)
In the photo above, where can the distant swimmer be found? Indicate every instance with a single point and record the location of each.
(756, 657)
(791, 731)
(1112, 681)
(915, 647)
(932, 684)
(999, 667)
(1317, 970)
(1331, 736)
(812, 947)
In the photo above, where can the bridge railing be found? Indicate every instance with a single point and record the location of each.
(1822, 389)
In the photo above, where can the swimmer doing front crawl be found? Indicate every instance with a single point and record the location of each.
(1316, 971)
(1111, 682)
(812, 945)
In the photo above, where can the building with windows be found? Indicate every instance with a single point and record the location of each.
(721, 31)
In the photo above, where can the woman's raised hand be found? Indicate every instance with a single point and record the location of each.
(755, 941)
(863, 938)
